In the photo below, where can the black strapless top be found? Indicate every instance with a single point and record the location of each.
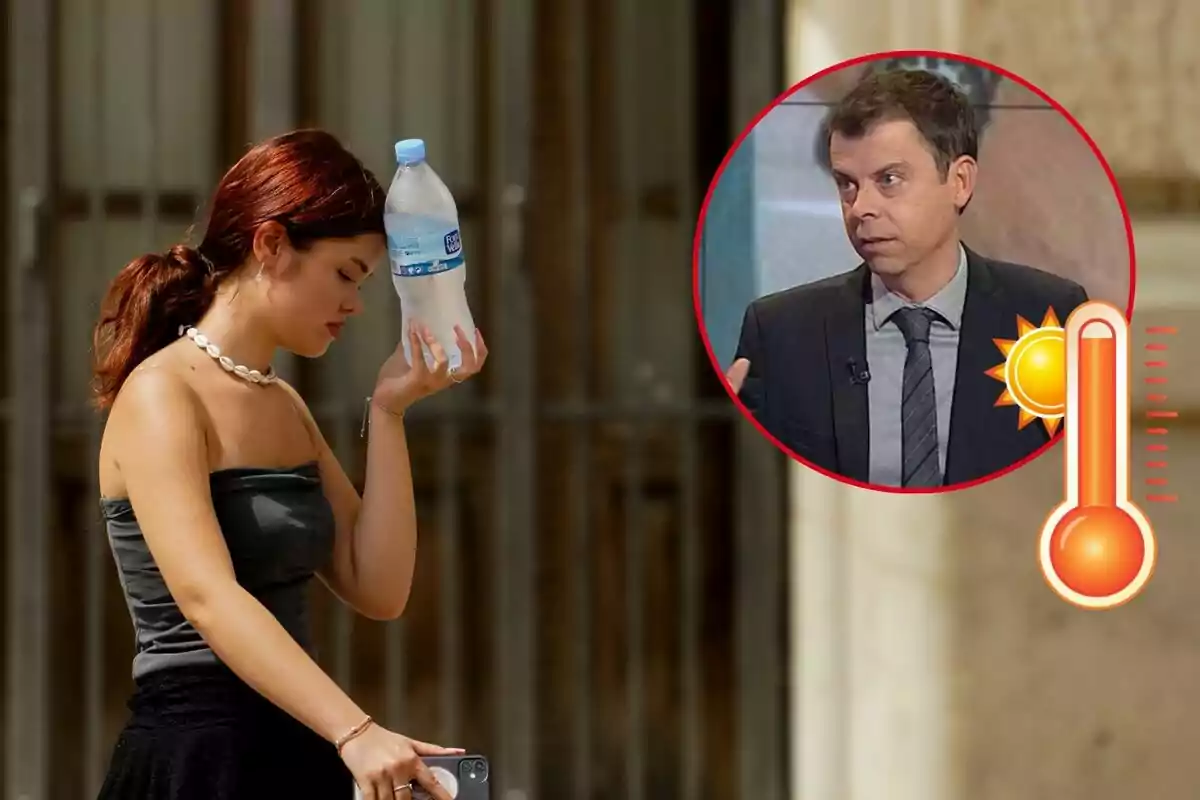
(279, 529)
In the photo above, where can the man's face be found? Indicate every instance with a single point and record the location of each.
(897, 205)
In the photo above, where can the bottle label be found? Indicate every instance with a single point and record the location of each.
(425, 254)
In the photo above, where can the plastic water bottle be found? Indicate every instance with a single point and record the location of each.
(425, 247)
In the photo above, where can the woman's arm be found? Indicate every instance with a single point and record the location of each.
(376, 546)
(375, 550)
(161, 454)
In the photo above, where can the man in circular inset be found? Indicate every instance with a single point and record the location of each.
(880, 374)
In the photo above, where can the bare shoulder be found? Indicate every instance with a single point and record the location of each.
(298, 402)
(154, 395)
(158, 459)
(330, 466)
(291, 393)
(156, 409)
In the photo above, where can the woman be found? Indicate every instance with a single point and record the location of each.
(222, 499)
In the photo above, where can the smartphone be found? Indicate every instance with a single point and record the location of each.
(463, 777)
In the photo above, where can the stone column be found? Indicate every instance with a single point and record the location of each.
(870, 612)
(930, 660)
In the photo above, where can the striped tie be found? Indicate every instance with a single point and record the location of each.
(919, 429)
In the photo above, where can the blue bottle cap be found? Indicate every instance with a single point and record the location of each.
(410, 151)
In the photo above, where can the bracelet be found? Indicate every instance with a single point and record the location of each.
(355, 731)
(366, 420)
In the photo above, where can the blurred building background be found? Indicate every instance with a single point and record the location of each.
(621, 590)
(585, 613)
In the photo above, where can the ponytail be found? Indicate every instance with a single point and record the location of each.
(142, 311)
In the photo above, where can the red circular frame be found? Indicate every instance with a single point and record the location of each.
(889, 54)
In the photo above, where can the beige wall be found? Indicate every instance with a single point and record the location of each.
(930, 659)
(1120, 67)
(1050, 701)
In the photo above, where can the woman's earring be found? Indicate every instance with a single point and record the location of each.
(261, 267)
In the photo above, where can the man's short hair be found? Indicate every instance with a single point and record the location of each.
(940, 111)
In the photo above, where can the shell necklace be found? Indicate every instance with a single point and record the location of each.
(245, 373)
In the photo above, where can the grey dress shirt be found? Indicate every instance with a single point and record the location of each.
(886, 351)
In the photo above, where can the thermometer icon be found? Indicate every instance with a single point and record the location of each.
(1097, 549)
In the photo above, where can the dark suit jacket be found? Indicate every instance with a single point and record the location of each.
(805, 344)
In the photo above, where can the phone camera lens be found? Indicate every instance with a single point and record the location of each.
(475, 770)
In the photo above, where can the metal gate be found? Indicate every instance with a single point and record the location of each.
(599, 605)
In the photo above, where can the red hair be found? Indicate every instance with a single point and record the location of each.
(304, 180)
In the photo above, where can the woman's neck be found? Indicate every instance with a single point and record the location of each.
(239, 337)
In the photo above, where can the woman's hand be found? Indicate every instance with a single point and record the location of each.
(385, 764)
(400, 385)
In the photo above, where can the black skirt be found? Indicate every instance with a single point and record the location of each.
(201, 733)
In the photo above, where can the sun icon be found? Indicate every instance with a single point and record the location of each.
(1034, 372)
